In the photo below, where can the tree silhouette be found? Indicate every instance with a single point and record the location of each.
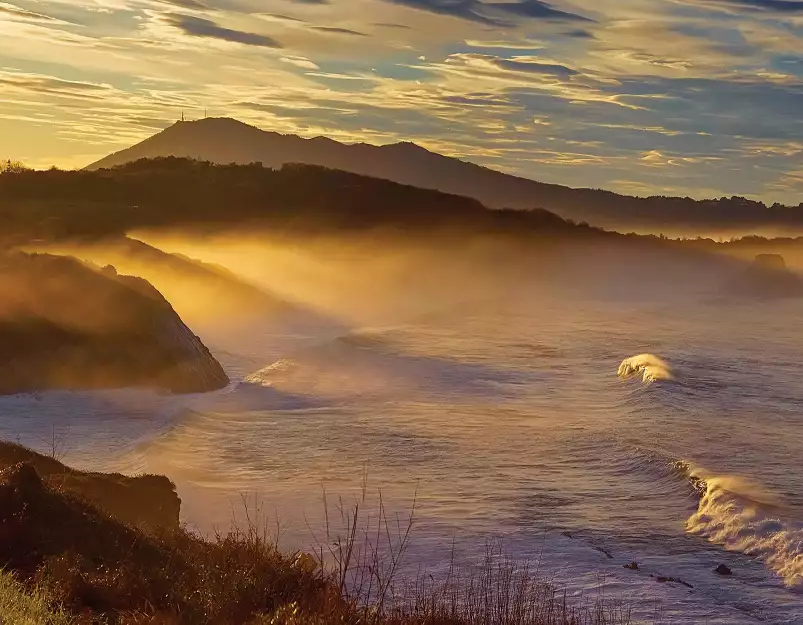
(8, 166)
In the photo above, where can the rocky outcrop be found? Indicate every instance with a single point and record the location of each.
(148, 502)
(67, 325)
(767, 278)
(42, 526)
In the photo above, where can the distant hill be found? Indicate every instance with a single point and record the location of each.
(223, 140)
(165, 193)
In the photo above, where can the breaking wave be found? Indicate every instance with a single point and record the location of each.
(650, 367)
(740, 516)
(735, 514)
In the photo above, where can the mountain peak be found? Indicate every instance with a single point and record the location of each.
(407, 146)
(210, 123)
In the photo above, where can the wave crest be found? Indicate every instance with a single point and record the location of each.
(650, 367)
(740, 516)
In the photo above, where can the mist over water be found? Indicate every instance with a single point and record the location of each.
(496, 388)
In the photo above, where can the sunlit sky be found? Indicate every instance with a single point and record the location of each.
(684, 97)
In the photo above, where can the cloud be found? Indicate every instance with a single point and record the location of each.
(51, 85)
(200, 27)
(18, 13)
(492, 13)
(339, 31)
(532, 67)
(770, 6)
(300, 62)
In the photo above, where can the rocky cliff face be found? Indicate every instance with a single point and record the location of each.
(67, 325)
(148, 502)
(767, 278)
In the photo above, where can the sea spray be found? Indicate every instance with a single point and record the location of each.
(743, 517)
(650, 367)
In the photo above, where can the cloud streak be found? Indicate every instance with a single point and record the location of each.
(200, 27)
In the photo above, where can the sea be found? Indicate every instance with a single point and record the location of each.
(578, 432)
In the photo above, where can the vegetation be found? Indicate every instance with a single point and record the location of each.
(23, 606)
(78, 566)
(12, 167)
(173, 192)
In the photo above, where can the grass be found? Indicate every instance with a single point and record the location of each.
(27, 606)
(79, 566)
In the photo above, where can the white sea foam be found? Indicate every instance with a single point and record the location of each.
(741, 516)
(650, 367)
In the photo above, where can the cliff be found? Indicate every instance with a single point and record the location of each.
(147, 502)
(67, 325)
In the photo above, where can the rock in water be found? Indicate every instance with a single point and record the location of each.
(723, 570)
(67, 325)
(767, 278)
(774, 262)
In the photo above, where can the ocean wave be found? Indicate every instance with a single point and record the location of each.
(374, 364)
(741, 516)
(735, 514)
(650, 367)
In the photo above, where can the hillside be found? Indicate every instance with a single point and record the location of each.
(196, 289)
(66, 325)
(173, 192)
(222, 140)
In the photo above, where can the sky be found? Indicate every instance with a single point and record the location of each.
(647, 97)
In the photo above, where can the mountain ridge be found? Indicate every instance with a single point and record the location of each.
(225, 140)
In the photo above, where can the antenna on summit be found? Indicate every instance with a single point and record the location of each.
(182, 115)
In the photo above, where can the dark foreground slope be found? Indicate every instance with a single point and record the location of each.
(66, 325)
(70, 557)
(105, 571)
(230, 141)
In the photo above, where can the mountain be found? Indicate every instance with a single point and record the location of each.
(223, 140)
